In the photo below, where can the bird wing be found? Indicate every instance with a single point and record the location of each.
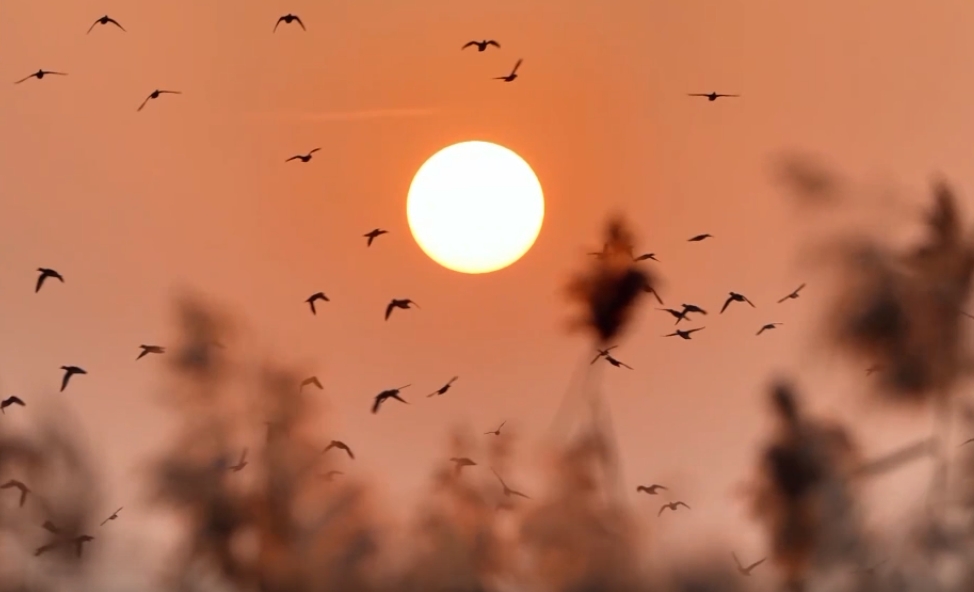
(300, 22)
(517, 65)
(683, 504)
(93, 25)
(799, 288)
(720, 95)
(170, 92)
(660, 513)
(785, 298)
(698, 94)
(65, 379)
(116, 23)
(695, 330)
(452, 380)
(40, 282)
(314, 150)
(494, 43)
(756, 563)
(726, 304)
(378, 402)
(468, 44)
(736, 560)
(672, 334)
(749, 302)
(389, 308)
(625, 365)
(292, 158)
(413, 302)
(761, 330)
(278, 23)
(144, 102)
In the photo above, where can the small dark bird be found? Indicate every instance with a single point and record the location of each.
(513, 75)
(114, 516)
(603, 353)
(735, 297)
(40, 74)
(679, 315)
(496, 432)
(11, 401)
(46, 273)
(341, 446)
(312, 381)
(617, 363)
(155, 95)
(442, 390)
(287, 19)
(303, 157)
(150, 349)
(746, 570)
(673, 506)
(699, 237)
(651, 290)
(373, 234)
(403, 303)
(685, 334)
(767, 327)
(508, 492)
(650, 256)
(240, 463)
(330, 475)
(688, 308)
(24, 490)
(104, 21)
(388, 394)
(70, 371)
(316, 296)
(50, 527)
(651, 490)
(482, 45)
(460, 462)
(793, 295)
(710, 96)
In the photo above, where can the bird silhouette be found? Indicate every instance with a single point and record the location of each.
(155, 95)
(688, 308)
(11, 401)
(104, 21)
(793, 295)
(482, 45)
(78, 541)
(616, 362)
(287, 19)
(679, 315)
(767, 327)
(684, 334)
(646, 256)
(46, 273)
(388, 394)
(603, 353)
(40, 74)
(746, 570)
(735, 297)
(672, 506)
(508, 492)
(496, 432)
(70, 371)
(240, 463)
(513, 75)
(114, 516)
(460, 462)
(651, 489)
(303, 157)
(316, 296)
(710, 96)
(150, 349)
(442, 390)
(312, 381)
(330, 475)
(699, 237)
(24, 490)
(340, 446)
(651, 290)
(403, 303)
(374, 234)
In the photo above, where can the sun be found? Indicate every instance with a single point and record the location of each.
(475, 207)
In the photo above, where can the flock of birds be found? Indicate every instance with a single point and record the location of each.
(69, 371)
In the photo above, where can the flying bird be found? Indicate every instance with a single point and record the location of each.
(513, 75)
(388, 394)
(150, 349)
(746, 570)
(50, 527)
(70, 371)
(240, 463)
(651, 290)
(508, 492)
(616, 362)
(24, 490)
(496, 432)
(114, 516)
(316, 296)
(312, 381)
(340, 446)
(710, 96)
(442, 390)
(403, 303)
(40, 74)
(46, 273)
(679, 315)
(793, 295)
(11, 401)
(650, 256)
(460, 462)
(304, 157)
(767, 327)
(104, 21)
(699, 237)
(651, 489)
(688, 308)
(287, 19)
(735, 297)
(374, 234)
(482, 45)
(603, 353)
(685, 334)
(155, 95)
(673, 506)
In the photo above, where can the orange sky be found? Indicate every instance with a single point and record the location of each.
(193, 192)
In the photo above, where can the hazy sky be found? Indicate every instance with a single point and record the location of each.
(193, 192)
